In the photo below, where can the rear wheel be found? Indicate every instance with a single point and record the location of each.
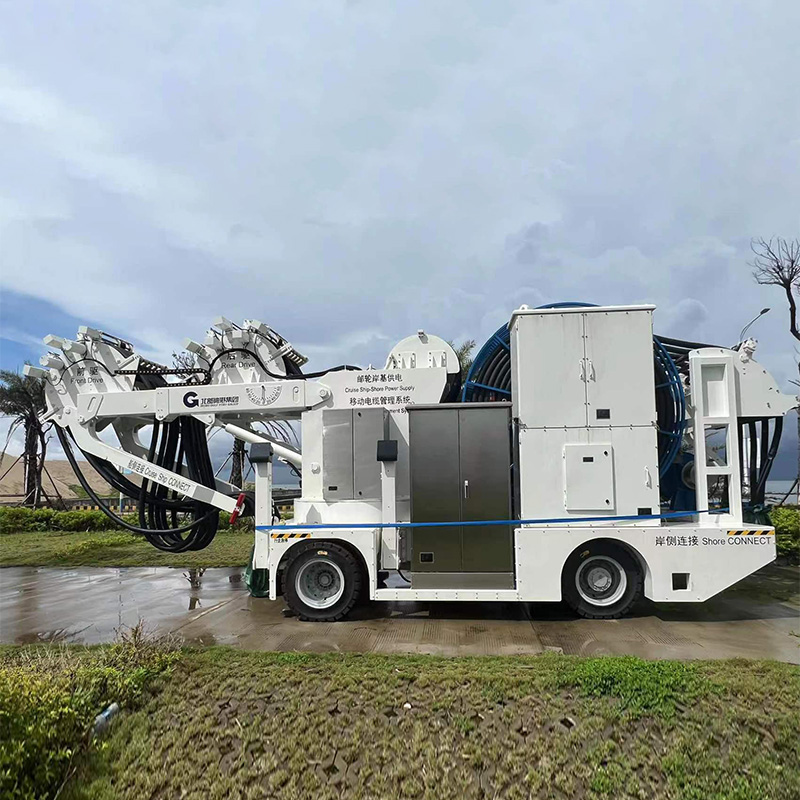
(322, 582)
(601, 581)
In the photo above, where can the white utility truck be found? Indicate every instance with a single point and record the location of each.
(581, 459)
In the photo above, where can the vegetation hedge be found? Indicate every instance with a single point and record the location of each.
(786, 520)
(22, 520)
(49, 698)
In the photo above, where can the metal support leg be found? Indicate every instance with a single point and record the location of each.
(263, 471)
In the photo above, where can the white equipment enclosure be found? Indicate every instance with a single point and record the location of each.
(581, 459)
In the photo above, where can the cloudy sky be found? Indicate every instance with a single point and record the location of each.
(351, 171)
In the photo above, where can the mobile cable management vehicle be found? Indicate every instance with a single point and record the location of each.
(581, 459)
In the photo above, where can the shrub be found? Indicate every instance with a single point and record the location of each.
(42, 519)
(23, 520)
(241, 524)
(786, 520)
(49, 697)
(13, 520)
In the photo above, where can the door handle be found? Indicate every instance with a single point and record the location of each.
(592, 376)
(582, 363)
(466, 490)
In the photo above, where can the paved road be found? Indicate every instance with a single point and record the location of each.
(759, 618)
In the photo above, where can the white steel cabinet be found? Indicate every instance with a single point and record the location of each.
(548, 388)
(584, 406)
(587, 367)
(619, 368)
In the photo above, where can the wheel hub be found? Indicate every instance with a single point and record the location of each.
(601, 580)
(320, 583)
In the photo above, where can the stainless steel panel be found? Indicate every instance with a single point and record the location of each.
(485, 459)
(368, 427)
(435, 489)
(462, 580)
(337, 455)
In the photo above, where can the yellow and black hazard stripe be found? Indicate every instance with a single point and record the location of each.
(756, 532)
(284, 536)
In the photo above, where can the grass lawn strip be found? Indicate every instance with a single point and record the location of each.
(117, 549)
(234, 724)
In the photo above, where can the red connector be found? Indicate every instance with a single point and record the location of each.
(239, 507)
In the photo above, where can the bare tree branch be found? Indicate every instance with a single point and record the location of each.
(776, 262)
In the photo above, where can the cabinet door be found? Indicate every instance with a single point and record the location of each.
(548, 377)
(435, 489)
(485, 457)
(619, 368)
(337, 455)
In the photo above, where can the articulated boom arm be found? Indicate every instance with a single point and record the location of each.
(240, 375)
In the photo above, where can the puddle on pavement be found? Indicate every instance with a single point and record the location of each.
(757, 618)
(90, 605)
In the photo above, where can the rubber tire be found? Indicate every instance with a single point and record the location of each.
(351, 571)
(584, 608)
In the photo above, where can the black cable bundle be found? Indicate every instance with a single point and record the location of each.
(173, 445)
(761, 455)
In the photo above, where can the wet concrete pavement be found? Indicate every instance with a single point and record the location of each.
(758, 618)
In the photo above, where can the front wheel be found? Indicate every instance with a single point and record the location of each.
(601, 581)
(322, 582)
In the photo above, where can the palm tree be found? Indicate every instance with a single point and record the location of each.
(464, 353)
(22, 399)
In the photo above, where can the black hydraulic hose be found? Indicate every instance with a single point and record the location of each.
(251, 353)
(156, 513)
(753, 471)
(161, 538)
(274, 375)
(762, 460)
(766, 465)
(741, 448)
(340, 368)
(65, 444)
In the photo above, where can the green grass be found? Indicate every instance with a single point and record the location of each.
(230, 548)
(228, 723)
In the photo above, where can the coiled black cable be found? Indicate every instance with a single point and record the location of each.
(200, 531)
